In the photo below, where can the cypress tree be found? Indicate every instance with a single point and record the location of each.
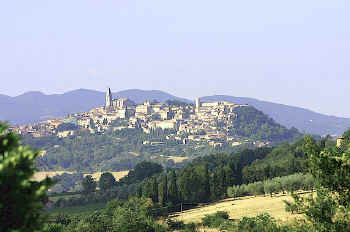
(164, 190)
(186, 186)
(155, 196)
(215, 194)
(173, 193)
(139, 191)
(206, 183)
(222, 181)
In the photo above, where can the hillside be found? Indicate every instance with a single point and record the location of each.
(254, 124)
(38, 106)
(241, 207)
(290, 116)
(115, 149)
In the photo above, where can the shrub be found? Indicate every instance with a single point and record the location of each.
(175, 225)
(261, 223)
(215, 220)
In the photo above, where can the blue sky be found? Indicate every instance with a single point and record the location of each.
(292, 52)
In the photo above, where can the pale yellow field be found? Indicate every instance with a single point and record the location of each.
(38, 176)
(177, 159)
(246, 206)
(134, 153)
(117, 175)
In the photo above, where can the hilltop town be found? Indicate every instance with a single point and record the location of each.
(202, 122)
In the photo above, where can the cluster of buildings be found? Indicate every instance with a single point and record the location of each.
(208, 122)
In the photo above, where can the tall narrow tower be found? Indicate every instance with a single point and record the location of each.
(198, 104)
(108, 100)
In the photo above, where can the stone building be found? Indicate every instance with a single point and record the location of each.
(109, 102)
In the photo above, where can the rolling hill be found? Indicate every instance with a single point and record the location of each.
(290, 116)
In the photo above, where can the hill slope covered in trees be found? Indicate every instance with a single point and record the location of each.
(120, 150)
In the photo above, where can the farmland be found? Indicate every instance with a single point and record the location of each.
(38, 176)
(241, 207)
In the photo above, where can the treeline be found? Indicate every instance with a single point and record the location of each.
(283, 184)
(205, 179)
(283, 160)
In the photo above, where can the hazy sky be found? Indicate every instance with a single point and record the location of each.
(295, 52)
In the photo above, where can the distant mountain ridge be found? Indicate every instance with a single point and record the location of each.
(290, 116)
(36, 106)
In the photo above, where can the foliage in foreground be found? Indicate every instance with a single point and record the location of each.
(329, 208)
(21, 200)
(134, 215)
(260, 223)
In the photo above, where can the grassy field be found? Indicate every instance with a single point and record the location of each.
(241, 207)
(117, 175)
(177, 159)
(38, 176)
(66, 197)
(76, 210)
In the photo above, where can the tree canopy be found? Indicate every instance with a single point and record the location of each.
(21, 198)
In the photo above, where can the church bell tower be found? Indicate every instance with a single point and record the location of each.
(108, 105)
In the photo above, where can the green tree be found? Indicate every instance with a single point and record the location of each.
(133, 216)
(141, 171)
(155, 193)
(89, 184)
(173, 193)
(106, 181)
(206, 183)
(186, 189)
(221, 181)
(139, 191)
(329, 208)
(164, 189)
(21, 198)
(214, 187)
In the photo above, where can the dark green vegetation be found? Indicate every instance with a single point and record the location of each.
(252, 123)
(208, 179)
(67, 183)
(203, 180)
(328, 209)
(21, 200)
(283, 184)
(260, 223)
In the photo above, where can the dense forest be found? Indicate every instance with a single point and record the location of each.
(204, 179)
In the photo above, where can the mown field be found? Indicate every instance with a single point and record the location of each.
(38, 176)
(241, 207)
(76, 210)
